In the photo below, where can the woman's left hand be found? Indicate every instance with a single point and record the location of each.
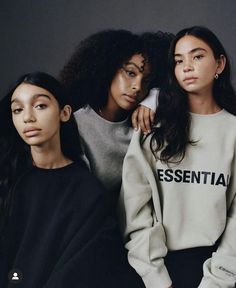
(143, 117)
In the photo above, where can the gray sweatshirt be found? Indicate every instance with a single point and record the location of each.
(105, 144)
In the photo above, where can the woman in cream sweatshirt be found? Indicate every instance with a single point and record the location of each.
(179, 182)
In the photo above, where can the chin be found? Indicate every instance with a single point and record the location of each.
(33, 142)
(129, 107)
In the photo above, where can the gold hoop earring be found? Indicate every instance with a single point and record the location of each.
(216, 76)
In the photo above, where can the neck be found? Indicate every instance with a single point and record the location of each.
(113, 115)
(200, 104)
(44, 157)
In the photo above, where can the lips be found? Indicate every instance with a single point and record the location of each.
(31, 131)
(189, 79)
(130, 98)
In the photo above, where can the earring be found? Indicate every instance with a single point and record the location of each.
(216, 76)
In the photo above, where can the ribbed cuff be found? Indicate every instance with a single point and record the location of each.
(209, 283)
(157, 279)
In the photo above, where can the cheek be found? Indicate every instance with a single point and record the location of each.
(48, 116)
(177, 72)
(53, 120)
(211, 67)
(118, 84)
(15, 122)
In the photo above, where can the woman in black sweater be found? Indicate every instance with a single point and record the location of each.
(55, 231)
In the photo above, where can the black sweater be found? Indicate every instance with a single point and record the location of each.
(59, 234)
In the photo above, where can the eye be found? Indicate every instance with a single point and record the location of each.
(40, 106)
(198, 57)
(178, 61)
(130, 73)
(16, 110)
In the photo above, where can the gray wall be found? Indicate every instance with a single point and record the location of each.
(41, 35)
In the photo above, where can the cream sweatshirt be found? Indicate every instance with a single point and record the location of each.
(183, 206)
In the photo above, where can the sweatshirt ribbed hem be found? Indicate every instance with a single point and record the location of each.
(209, 283)
(160, 279)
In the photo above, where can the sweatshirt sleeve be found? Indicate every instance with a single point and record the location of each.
(151, 101)
(220, 270)
(141, 213)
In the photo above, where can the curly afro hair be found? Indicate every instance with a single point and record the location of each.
(89, 72)
(91, 69)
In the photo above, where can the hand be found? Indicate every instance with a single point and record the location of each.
(143, 117)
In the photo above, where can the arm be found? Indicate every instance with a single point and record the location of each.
(144, 115)
(151, 101)
(220, 270)
(141, 213)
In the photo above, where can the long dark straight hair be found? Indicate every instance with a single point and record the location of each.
(15, 156)
(172, 130)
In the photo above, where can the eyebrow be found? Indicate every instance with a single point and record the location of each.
(192, 51)
(141, 69)
(35, 96)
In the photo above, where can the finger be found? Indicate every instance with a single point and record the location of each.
(134, 119)
(141, 121)
(147, 119)
(152, 116)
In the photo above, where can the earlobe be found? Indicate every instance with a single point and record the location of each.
(65, 113)
(221, 64)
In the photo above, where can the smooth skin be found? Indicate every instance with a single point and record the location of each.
(195, 70)
(37, 118)
(128, 89)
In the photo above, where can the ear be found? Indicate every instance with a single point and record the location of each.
(221, 64)
(65, 113)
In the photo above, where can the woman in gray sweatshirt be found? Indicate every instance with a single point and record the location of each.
(109, 74)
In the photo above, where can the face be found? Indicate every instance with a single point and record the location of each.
(129, 86)
(196, 66)
(36, 115)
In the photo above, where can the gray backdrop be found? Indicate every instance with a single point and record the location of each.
(41, 35)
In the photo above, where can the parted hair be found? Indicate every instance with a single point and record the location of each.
(171, 134)
(15, 156)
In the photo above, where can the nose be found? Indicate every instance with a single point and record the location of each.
(136, 85)
(28, 116)
(188, 66)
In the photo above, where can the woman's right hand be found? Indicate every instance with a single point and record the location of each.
(143, 117)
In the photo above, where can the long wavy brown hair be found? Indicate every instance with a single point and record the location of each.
(171, 134)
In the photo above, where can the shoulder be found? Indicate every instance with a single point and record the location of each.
(229, 123)
(140, 145)
(86, 118)
(221, 118)
(86, 189)
(86, 110)
(80, 174)
(229, 116)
